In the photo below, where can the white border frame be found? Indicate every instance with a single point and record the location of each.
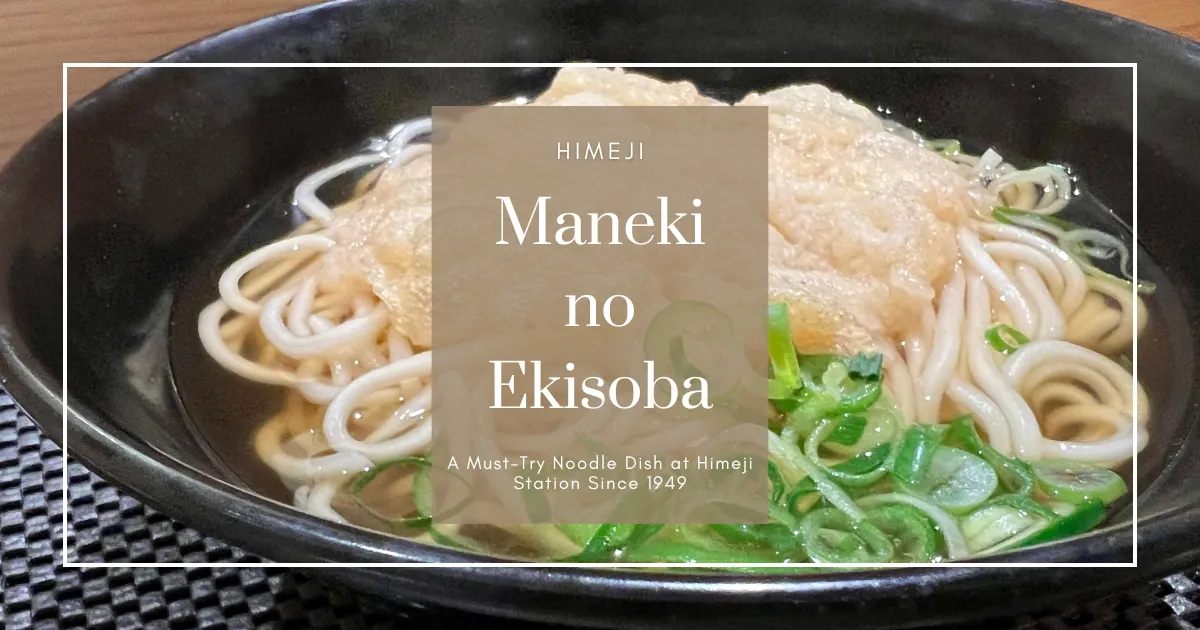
(66, 527)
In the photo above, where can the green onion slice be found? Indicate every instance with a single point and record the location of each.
(995, 527)
(847, 429)
(841, 475)
(699, 326)
(1073, 239)
(784, 445)
(778, 486)
(915, 453)
(883, 427)
(1015, 475)
(1076, 482)
(956, 480)
(1004, 338)
(1083, 519)
(781, 349)
(775, 536)
(781, 395)
(956, 546)
(912, 534)
(422, 493)
(867, 367)
(830, 536)
(361, 480)
(1049, 224)
(859, 466)
(829, 374)
(1004, 523)
(611, 541)
(579, 533)
(803, 415)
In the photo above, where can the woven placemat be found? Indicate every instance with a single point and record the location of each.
(108, 526)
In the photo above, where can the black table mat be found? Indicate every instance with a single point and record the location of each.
(107, 526)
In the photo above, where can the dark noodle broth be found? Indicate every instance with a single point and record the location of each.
(227, 409)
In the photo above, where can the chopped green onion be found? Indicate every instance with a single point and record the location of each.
(830, 536)
(883, 422)
(640, 534)
(1072, 238)
(1026, 504)
(788, 471)
(1004, 338)
(679, 362)
(858, 466)
(866, 462)
(782, 396)
(996, 526)
(685, 322)
(779, 534)
(804, 416)
(1023, 218)
(363, 479)
(580, 534)
(956, 480)
(422, 493)
(853, 480)
(785, 444)
(1060, 508)
(610, 541)
(847, 429)
(779, 514)
(1145, 287)
(778, 486)
(1084, 244)
(775, 536)
(1005, 522)
(911, 532)
(915, 453)
(781, 348)
(867, 367)
(956, 546)
(828, 374)
(802, 499)
(1084, 518)
(1076, 482)
(602, 543)
(1015, 475)
(834, 375)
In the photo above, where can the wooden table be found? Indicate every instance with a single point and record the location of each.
(36, 36)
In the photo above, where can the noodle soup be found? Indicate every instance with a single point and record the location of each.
(949, 342)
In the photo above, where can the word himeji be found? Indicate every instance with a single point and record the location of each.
(599, 151)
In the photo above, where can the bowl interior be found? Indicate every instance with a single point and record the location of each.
(190, 168)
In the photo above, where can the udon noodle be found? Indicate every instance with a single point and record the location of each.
(952, 266)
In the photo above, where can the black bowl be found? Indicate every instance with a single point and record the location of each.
(174, 170)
